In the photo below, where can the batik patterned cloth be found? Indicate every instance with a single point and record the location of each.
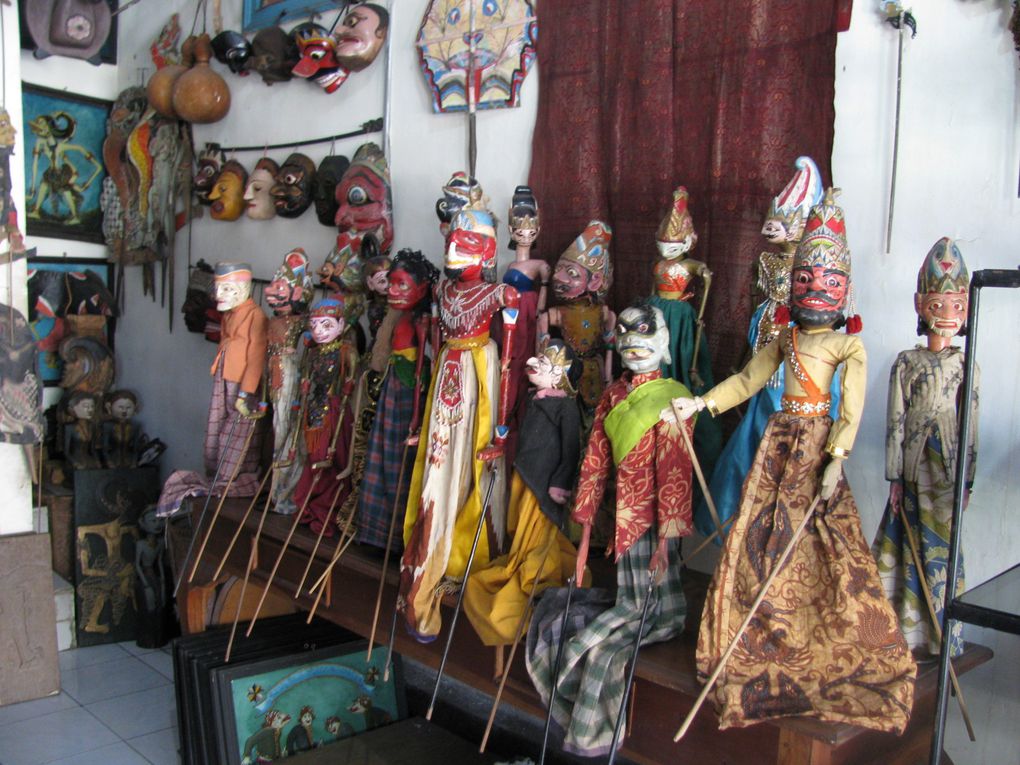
(921, 443)
(283, 366)
(601, 632)
(824, 642)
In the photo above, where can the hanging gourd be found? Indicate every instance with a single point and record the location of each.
(160, 88)
(200, 94)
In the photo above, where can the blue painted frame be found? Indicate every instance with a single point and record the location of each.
(259, 14)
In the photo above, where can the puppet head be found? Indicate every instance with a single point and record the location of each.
(273, 55)
(331, 170)
(363, 198)
(471, 246)
(326, 320)
(121, 405)
(259, 201)
(227, 195)
(942, 293)
(585, 269)
(291, 288)
(642, 338)
(784, 223)
(411, 279)
(554, 368)
(292, 192)
(7, 131)
(523, 218)
(820, 278)
(233, 285)
(374, 275)
(459, 192)
(361, 35)
(317, 48)
(232, 49)
(82, 405)
(676, 236)
(210, 160)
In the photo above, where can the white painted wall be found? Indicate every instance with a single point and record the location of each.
(958, 176)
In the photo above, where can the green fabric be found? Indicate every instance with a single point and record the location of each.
(629, 420)
(403, 368)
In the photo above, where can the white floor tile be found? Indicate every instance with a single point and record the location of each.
(132, 648)
(115, 754)
(161, 662)
(29, 709)
(159, 748)
(42, 740)
(136, 714)
(85, 657)
(109, 680)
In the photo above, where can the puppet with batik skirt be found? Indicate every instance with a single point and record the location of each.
(922, 439)
(545, 467)
(398, 381)
(463, 433)
(287, 295)
(651, 469)
(327, 383)
(825, 623)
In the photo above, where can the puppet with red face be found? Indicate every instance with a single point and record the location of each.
(791, 657)
(464, 428)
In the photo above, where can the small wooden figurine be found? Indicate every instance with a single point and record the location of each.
(122, 436)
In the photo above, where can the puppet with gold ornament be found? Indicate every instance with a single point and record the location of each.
(460, 453)
(544, 470)
(581, 281)
(783, 227)
(823, 623)
(922, 437)
(652, 471)
(288, 296)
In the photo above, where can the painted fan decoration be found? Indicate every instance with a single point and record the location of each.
(476, 53)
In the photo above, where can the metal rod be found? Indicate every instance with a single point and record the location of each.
(630, 670)
(555, 675)
(896, 136)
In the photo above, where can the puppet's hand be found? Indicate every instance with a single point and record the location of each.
(896, 495)
(830, 477)
(243, 408)
(659, 562)
(558, 495)
(681, 409)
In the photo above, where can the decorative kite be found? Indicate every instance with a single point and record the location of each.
(476, 53)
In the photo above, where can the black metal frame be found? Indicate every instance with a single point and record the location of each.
(1008, 279)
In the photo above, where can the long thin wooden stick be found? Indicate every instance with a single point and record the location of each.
(219, 505)
(240, 603)
(525, 614)
(240, 526)
(325, 584)
(336, 553)
(919, 565)
(632, 665)
(696, 464)
(318, 543)
(710, 683)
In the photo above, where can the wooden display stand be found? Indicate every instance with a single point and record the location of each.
(665, 684)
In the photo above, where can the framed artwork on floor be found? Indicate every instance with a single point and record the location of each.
(58, 287)
(64, 134)
(259, 14)
(277, 707)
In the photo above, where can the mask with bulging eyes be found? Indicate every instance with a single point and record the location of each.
(232, 49)
(363, 198)
(210, 161)
(330, 171)
(292, 192)
(257, 193)
(642, 338)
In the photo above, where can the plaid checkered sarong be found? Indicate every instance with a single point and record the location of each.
(600, 638)
(382, 465)
(223, 439)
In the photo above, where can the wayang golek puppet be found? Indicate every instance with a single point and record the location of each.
(288, 296)
(652, 513)
(460, 192)
(326, 384)
(783, 228)
(581, 280)
(922, 438)
(834, 629)
(340, 276)
(258, 196)
(399, 381)
(464, 429)
(375, 278)
(544, 469)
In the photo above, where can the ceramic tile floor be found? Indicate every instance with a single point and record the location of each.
(115, 707)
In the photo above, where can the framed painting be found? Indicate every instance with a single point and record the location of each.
(274, 708)
(259, 14)
(107, 54)
(61, 286)
(64, 172)
(107, 504)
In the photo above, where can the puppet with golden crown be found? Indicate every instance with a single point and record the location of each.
(464, 429)
(545, 466)
(581, 280)
(825, 642)
(784, 227)
(920, 450)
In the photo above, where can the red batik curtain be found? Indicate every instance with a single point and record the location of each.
(640, 96)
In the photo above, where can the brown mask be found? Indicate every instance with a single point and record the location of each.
(292, 192)
(274, 55)
(330, 171)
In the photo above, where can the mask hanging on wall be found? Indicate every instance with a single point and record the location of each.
(292, 192)
(330, 171)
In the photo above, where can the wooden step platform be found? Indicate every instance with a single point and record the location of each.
(665, 685)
